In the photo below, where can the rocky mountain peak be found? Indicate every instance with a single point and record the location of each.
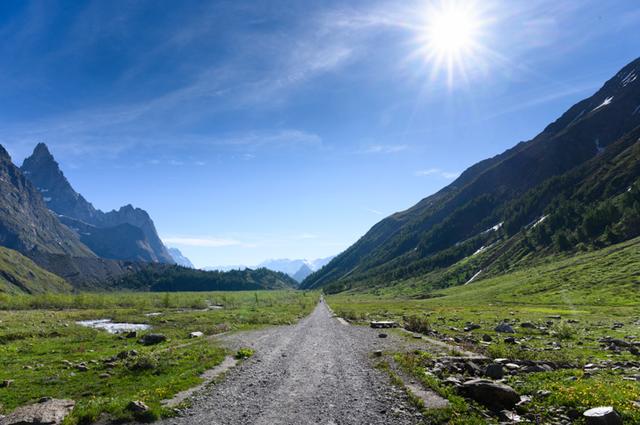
(4, 155)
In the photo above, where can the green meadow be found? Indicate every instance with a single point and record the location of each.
(45, 353)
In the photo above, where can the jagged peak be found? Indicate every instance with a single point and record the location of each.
(41, 149)
(4, 154)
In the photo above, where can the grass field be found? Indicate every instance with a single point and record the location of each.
(45, 353)
(572, 303)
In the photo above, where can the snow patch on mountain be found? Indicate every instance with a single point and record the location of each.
(606, 102)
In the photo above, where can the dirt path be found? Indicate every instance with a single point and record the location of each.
(318, 371)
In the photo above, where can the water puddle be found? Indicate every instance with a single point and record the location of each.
(111, 327)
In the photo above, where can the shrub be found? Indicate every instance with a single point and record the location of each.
(244, 353)
(416, 323)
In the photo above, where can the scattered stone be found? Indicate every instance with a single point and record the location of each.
(509, 340)
(554, 317)
(50, 412)
(528, 325)
(137, 406)
(487, 338)
(383, 324)
(602, 416)
(151, 339)
(382, 335)
(494, 371)
(82, 367)
(6, 383)
(196, 334)
(504, 328)
(377, 353)
(104, 375)
(132, 334)
(512, 366)
(471, 326)
(489, 393)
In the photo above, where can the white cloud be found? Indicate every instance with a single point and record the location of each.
(437, 172)
(373, 211)
(209, 242)
(384, 149)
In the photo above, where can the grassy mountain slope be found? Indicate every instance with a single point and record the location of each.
(509, 192)
(18, 274)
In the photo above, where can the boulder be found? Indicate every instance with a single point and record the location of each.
(50, 412)
(602, 416)
(494, 371)
(491, 394)
(137, 406)
(151, 339)
(504, 328)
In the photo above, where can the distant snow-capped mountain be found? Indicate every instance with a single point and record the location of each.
(298, 269)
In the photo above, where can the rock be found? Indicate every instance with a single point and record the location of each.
(50, 412)
(6, 383)
(487, 338)
(491, 394)
(472, 368)
(554, 317)
(494, 371)
(509, 340)
(602, 416)
(383, 324)
(512, 366)
(471, 326)
(528, 325)
(377, 353)
(104, 376)
(82, 367)
(504, 328)
(151, 339)
(132, 334)
(382, 335)
(137, 406)
(196, 335)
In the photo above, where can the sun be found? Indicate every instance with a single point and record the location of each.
(450, 37)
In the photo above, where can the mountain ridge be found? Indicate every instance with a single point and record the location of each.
(114, 241)
(433, 228)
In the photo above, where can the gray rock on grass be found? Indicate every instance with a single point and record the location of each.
(49, 411)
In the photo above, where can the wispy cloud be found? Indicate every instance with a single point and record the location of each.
(437, 172)
(373, 211)
(383, 149)
(208, 242)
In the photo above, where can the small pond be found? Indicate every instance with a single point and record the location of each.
(111, 327)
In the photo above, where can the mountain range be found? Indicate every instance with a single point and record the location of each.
(53, 240)
(298, 269)
(572, 187)
(124, 234)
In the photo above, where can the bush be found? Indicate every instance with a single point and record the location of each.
(244, 353)
(418, 324)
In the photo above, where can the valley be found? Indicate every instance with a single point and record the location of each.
(396, 276)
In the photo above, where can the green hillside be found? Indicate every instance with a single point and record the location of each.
(18, 274)
(573, 188)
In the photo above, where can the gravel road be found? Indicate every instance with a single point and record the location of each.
(318, 371)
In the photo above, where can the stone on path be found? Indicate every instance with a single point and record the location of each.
(49, 412)
(383, 324)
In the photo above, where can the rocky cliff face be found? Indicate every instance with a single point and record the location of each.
(124, 234)
(26, 224)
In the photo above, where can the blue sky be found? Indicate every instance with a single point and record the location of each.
(267, 129)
